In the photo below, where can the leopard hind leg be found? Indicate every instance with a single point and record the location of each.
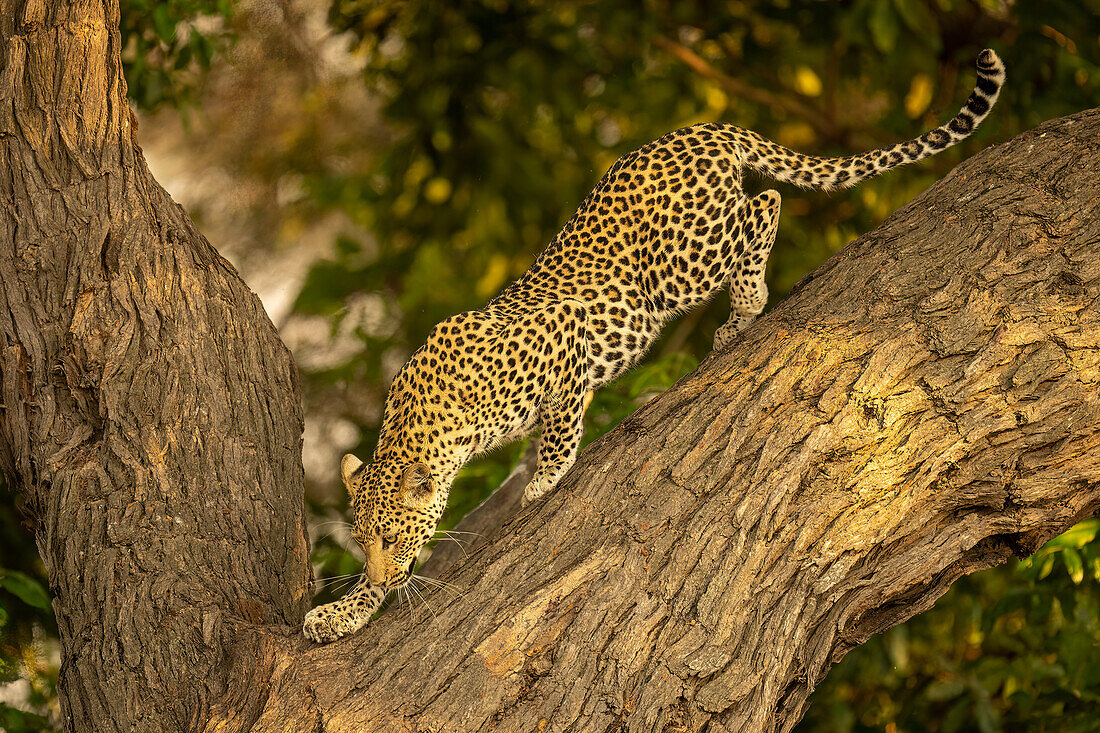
(748, 291)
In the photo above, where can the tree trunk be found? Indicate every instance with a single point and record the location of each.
(152, 421)
(923, 406)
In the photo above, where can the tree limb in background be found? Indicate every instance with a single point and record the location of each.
(823, 124)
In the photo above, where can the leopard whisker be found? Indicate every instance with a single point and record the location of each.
(457, 542)
(436, 582)
(321, 582)
(342, 584)
(416, 590)
(403, 593)
(339, 577)
(332, 521)
(452, 538)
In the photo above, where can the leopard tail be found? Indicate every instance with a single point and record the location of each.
(808, 171)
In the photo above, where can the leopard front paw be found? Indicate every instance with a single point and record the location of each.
(727, 333)
(534, 491)
(324, 624)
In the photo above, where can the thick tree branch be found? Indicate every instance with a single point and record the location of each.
(922, 406)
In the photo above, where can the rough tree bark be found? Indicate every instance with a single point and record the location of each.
(151, 416)
(924, 405)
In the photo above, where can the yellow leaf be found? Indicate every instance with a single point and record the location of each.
(807, 82)
(716, 98)
(441, 140)
(437, 190)
(796, 134)
(919, 96)
(417, 172)
(404, 204)
(290, 229)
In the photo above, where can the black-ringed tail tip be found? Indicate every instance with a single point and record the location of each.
(810, 171)
(991, 77)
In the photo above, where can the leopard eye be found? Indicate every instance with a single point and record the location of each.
(388, 540)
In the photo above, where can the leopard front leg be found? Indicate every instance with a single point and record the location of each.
(562, 428)
(566, 395)
(748, 291)
(349, 614)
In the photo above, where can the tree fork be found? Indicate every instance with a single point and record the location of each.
(922, 406)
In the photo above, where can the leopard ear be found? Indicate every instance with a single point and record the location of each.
(417, 487)
(349, 464)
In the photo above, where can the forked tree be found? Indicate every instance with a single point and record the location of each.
(924, 405)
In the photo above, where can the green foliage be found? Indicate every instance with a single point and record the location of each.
(1013, 648)
(26, 618)
(168, 46)
(25, 587)
(14, 720)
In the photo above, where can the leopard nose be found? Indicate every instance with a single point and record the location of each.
(376, 577)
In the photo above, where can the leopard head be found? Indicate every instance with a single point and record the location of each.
(397, 508)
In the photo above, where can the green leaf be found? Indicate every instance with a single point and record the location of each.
(163, 24)
(918, 19)
(957, 715)
(1073, 564)
(184, 58)
(987, 717)
(940, 691)
(24, 587)
(883, 24)
(204, 49)
(14, 720)
(1076, 536)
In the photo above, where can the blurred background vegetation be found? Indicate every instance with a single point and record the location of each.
(374, 166)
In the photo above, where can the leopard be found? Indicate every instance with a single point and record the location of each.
(664, 230)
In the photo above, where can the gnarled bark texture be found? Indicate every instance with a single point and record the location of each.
(151, 417)
(924, 405)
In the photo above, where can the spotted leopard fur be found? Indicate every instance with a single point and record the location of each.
(662, 232)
